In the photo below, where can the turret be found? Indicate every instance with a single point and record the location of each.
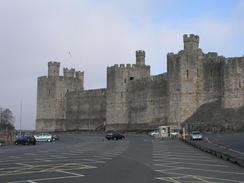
(140, 57)
(53, 69)
(191, 42)
(79, 75)
(69, 73)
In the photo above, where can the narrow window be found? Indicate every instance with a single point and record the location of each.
(48, 92)
(187, 73)
(125, 80)
(239, 83)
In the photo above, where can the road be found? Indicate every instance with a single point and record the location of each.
(229, 140)
(89, 158)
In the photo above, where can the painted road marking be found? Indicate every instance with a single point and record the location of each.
(214, 165)
(179, 167)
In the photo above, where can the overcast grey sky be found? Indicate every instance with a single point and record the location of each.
(101, 33)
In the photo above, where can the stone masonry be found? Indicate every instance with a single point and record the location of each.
(134, 100)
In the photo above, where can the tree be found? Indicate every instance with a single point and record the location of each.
(6, 119)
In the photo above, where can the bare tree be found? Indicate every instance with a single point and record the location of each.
(6, 119)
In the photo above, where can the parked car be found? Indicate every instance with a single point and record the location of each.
(2, 143)
(44, 137)
(55, 137)
(26, 140)
(114, 136)
(154, 133)
(196, 135)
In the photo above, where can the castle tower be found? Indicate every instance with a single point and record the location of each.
(118, 77)
(53, 69)
(80, 75)
(51, 93)
(191, 42)
(69, 73)
(183, 72)
(140, 57)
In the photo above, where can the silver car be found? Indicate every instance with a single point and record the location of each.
(196, 135)
(43, 137)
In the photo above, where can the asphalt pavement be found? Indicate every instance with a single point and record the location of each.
(90, 158)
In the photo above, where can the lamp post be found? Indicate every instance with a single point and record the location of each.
(20, 117)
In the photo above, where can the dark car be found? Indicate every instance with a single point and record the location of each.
(26, 140)
(114, 136)
(55, 137)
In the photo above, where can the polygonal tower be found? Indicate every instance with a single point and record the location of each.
(140, 57)
(51, 93)
(183, 76)
(118, 77)
(53, 69)
(191, 42)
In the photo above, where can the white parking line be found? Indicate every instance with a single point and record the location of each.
(51, 178)
(45, 160)
(23, 164)
(71, 173)
(214, 165)
(203, 177)
(188, 159)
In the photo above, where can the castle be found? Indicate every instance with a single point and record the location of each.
(135, 100)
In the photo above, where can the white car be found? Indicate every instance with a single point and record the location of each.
(43, 137)
(154, 133)
(196, 135)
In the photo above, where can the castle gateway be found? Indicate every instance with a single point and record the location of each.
(205, 89)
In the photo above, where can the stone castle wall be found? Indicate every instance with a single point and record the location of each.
(233, 83)
(118, 77)
(86, 110)
(135, 100)
(146, 102)
(51, 93)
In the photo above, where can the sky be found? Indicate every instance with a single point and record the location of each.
(101, 33)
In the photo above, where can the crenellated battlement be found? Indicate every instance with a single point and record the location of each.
(140, 57)
(88, 93)
(140, 53)
(79, 74)
(126, 66)
(53, 63)
(147, 80)
(234, 64)
(212, 54)
(159, 77)
(171, 56)
(53, 69)
(191, 42)
(191, 38)
(42, 78)
(69, 73)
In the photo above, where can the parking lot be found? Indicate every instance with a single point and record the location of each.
(182, 163)
(90, 158)
(64, 159)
